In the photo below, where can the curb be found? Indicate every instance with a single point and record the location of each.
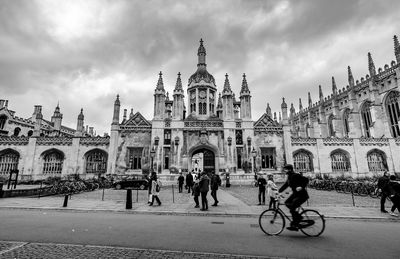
(196, 214)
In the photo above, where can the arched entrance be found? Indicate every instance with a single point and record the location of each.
(203, 159)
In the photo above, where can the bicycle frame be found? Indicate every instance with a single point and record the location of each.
(278, 203)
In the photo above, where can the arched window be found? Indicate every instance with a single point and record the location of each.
(53, 162)
(96, 162)
(302, 161)
(3, 119)
(8, 161)
(346, 127)
(392, 108)
(17, 130)
(340, 161)
(376, 161)
(267, 158)
(331, 130)
(135, 157)
(366, 118)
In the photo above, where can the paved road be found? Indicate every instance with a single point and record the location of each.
(226, 235)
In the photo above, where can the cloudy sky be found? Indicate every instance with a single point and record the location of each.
(83, 53)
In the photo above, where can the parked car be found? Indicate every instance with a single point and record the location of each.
(132, 181)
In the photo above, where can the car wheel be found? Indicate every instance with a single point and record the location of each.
(118, 186)
(141, 187)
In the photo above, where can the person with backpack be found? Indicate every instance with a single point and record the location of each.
(382, 182)
(204, 188)
(392, 190)
(298, 184)
(215, 182)
(155, 190)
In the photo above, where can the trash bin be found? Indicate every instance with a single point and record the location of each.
(227, 180)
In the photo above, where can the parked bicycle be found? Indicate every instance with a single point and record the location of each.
(273, 221)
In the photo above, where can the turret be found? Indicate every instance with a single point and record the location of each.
(177, 110)
(131, 114)
(79, 125)
(159, 99)
(292, 111)
(396, 49)
(56, 119)
(117, 106)
(268, 110)
(227, 100)
(300, 105)
(219, 107)
(371, 65)
(201, 53)
(350, 77)
(245, 100)
(321, 96)
(284, 111)
(124, 118)
(38, 120)
(334, 88)
(309, 100)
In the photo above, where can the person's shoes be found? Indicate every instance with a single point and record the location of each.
(384, 211)
(292, 228)
(259, 204)
(393, 214)
(150, 204)
(159, 204)
(197, 206)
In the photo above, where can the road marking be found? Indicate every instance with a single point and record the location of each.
(13, 248)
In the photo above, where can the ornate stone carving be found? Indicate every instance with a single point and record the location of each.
(304, 141)
(203, 124)
(19, 141)
(337, 141)
(95, 141)
(50, 141)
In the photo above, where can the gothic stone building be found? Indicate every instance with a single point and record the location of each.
(352, 131)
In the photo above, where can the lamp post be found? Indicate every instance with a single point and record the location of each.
(152, 154)
(254, 154)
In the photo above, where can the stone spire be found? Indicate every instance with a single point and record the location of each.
(350, 76)
(245, 87)
(117, 106)
(160, 83)
(201, 53)
(227, 85)
(334, 88)
(284, 111)
(300, 105)
(219, 105)
(178, 85)
(131, 114)
(268, 110)
(292, 111)
(56, 119)
(371, 65)
(283, 105)
(79, 125)
(321, 96)
(396, 49)
(309, 100)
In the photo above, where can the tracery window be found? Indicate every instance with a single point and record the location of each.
(340, 161)
(167, 137)
(302, 161)
(202, 102)
(8, 161)
(346, 127)
(393, 110)
(192, 101)
(212, 102)
(239, 137)
(376, 161)
(367, 120)
(268, 158)
(53, 162)
(96, 162)
(135, 157)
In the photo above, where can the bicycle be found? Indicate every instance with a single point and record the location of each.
(272, 221)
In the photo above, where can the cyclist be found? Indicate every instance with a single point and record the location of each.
(299, 194)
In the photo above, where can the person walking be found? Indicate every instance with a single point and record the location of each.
(149, 180)
(261, 183)
(215, 182)
(189, 181)
(181, 179)
(382, 182)
(155, 190)
(196, 192)
(271, 189)
(392, 190)
(204, 188)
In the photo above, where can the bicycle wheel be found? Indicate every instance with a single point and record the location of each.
(314, 223)
(271, 222)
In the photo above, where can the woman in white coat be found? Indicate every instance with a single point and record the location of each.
(155, 190)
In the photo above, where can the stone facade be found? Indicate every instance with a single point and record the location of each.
(352, 131)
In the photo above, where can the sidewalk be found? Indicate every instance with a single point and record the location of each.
(229, 205)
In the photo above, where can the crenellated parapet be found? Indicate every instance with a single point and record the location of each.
(337, 141)
(94, 141)
(374, 142)
(11, 140)
(54, 141)
(303, 141)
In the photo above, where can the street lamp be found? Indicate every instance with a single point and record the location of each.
(152, 154)
(254, 154)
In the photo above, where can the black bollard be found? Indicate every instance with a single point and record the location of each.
(128, 199)
(65, 201)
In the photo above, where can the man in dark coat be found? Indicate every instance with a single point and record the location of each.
(181, 179)
(298, 184)
(215, 182)
(204, 183)
(189, 181)
(382, 182)
(392, 189)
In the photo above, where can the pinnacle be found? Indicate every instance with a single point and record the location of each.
(245, 87)
(178, 85)
(227, 86)
(160, 83)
